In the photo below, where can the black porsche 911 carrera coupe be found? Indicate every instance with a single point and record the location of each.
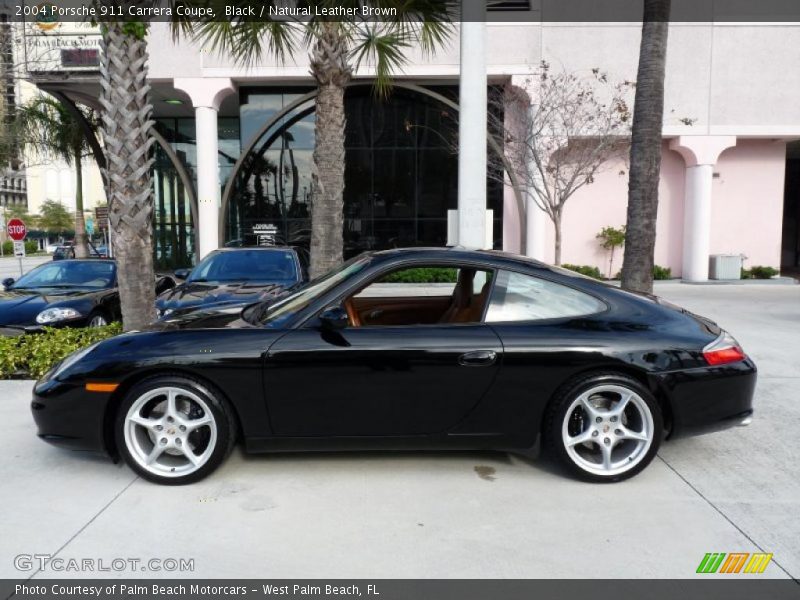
(509, 353)
(65, 293)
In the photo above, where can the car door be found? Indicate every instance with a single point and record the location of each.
(385, 380)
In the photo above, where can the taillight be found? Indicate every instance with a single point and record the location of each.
(725, 349)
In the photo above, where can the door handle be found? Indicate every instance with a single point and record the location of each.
(479, 358)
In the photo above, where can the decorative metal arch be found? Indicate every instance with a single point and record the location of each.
(226, 194)
(99, 156)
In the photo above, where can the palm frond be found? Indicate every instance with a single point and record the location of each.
(384, 49)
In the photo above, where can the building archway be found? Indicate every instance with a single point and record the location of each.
(270, 184)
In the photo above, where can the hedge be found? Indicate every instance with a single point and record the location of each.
(31, 355)
(423, 275)
(30, 248)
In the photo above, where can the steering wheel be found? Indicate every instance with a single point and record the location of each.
(352, 314)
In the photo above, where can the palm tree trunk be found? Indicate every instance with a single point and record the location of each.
(81, 249)
(126, 134)
(648, 118)
(329, 67)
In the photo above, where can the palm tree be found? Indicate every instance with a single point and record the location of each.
(646, 140)
(125, 124)
(339, 46)
(46, 126)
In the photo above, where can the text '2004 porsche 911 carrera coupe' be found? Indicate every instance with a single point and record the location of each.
(406, 349)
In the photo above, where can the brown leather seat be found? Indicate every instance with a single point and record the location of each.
(461, 305)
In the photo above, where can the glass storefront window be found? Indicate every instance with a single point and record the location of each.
(401, 169)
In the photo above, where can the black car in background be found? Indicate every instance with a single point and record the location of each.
(70, 292)
(64, 253)
(509, 353)
(234, 276)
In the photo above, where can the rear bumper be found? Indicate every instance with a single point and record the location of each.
(710, 399)
(67, 415)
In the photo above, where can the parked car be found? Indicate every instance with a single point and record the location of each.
(64, 252)
(67, 293)
(512, 352)
(234, 276)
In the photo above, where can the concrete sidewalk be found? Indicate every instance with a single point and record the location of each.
(470, 515)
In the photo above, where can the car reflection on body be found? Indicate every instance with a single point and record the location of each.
(233, 276)
(510, 353)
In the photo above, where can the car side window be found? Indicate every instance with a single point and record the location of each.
(421, 295)
(518, 297)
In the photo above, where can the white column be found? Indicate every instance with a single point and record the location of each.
(700, 152)
(697, 222)
(207, 94)
(472, 127)
(208, 185)
(536, 221)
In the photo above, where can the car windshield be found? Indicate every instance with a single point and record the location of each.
(93, 274)
(246, 265)
(276, 314)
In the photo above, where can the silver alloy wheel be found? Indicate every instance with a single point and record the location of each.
(608, 430)
(98, 321)
(170, 431)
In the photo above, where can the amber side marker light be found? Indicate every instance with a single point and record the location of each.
(101, 387)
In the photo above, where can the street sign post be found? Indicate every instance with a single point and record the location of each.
(17, 231)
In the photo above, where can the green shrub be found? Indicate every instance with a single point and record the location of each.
(587, 270)
(661, 273)
(33, 354)
(30, 247)
(759, 272)
(423, 275)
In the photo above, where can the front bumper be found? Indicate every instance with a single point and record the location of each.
(67, 415)
(711, 398)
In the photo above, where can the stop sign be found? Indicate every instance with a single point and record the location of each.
(16, 230)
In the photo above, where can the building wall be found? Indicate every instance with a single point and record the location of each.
(710, 80)
(747, 204)
(747, 209)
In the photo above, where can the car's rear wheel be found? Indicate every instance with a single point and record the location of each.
(605, 427)
(174, 429)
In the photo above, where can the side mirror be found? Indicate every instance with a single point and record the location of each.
(334, 318)
(183, 273)
(7, 283)
(163, 284)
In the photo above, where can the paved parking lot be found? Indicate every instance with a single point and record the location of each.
(470, 515)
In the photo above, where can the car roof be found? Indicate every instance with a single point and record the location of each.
(259, 248)
(494, 257)
(90, 259)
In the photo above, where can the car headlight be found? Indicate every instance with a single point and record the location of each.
(53, 315)
(165, 311)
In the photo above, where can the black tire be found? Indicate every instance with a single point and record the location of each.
(556, 415)
(220, 412)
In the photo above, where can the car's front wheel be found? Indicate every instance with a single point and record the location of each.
(174, 430)
(604, 427)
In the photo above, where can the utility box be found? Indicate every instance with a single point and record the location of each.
(725, 266)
